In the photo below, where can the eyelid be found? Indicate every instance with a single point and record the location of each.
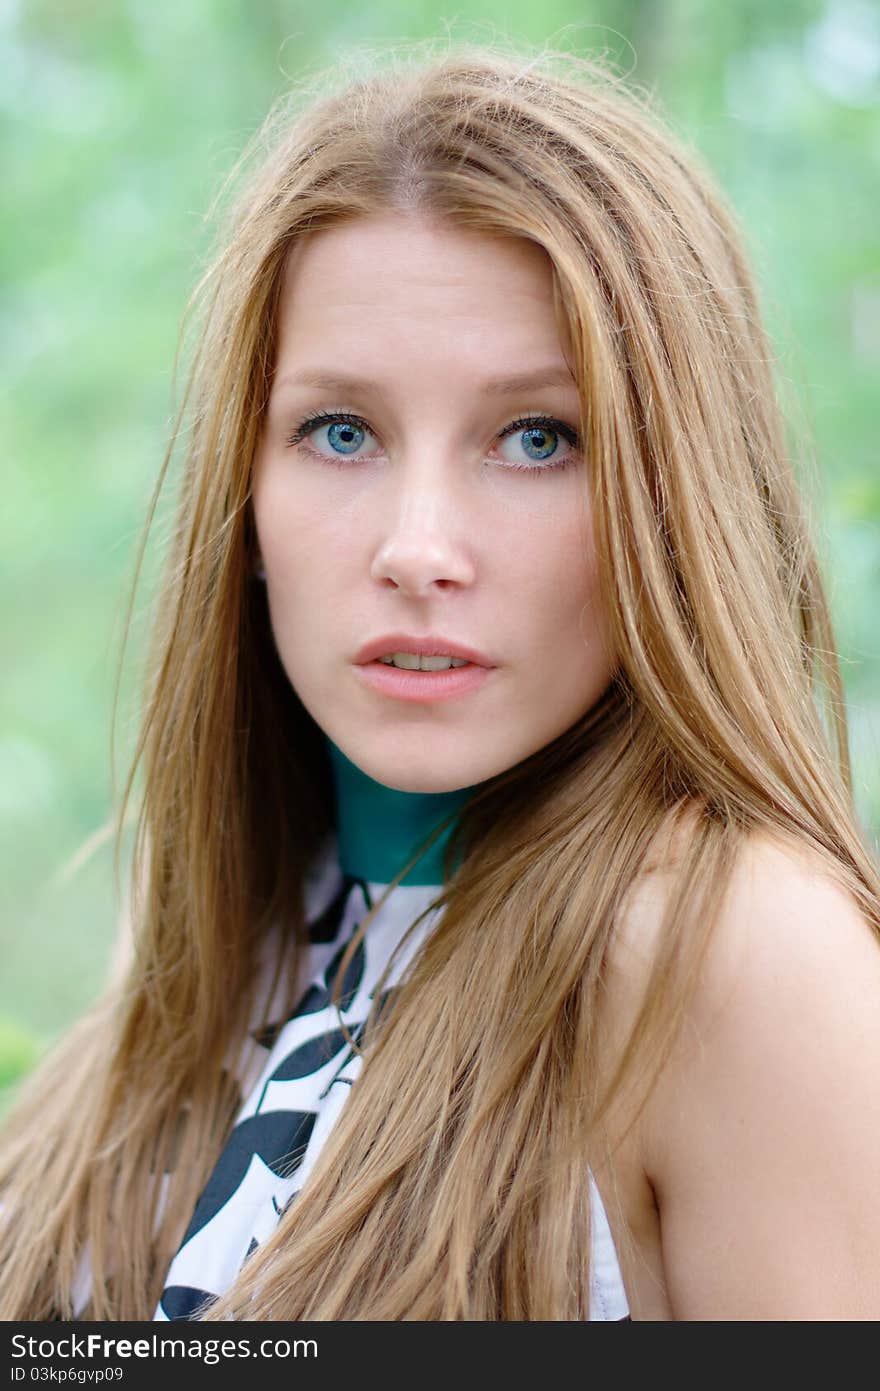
(319, 417)
(523, 422)
(325, 417)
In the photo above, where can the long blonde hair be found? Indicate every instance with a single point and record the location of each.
(453, 1185)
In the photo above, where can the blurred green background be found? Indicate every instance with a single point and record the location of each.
(118, 122)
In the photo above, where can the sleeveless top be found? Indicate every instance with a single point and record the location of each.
(302, 1066)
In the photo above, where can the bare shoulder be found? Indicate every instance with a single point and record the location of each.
(787, 913)
(762, 1134)
(788, 928)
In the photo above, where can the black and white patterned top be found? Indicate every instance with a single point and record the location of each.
(297, 1084)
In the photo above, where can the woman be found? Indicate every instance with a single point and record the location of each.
(584, 911)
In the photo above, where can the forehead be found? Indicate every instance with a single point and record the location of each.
(411, 277)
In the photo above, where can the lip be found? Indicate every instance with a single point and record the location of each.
(423, 686)
(432, 645)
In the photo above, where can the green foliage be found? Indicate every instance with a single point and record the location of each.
(19, 1050)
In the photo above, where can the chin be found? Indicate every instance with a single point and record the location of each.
(437, 774)
(435, 781)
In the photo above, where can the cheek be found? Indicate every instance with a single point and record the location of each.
(299, 537)
(574, 628)
(556, 564)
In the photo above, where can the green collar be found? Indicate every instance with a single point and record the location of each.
(379, 827)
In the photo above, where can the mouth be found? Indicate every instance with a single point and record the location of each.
(418, 685)
(434, 651)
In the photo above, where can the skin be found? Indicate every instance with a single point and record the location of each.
(749, 1182)
(428, 528)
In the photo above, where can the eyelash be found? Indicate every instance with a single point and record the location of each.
(305, 428)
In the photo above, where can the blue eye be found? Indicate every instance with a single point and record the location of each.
(547, 443)
(539, 441)
(344, 437)
(343, 434)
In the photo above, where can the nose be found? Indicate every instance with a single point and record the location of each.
(423, 530)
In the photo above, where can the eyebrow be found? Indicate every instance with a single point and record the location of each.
(494, 386)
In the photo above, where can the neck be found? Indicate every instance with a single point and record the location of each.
(379, 828)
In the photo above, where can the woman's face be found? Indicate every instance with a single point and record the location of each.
(416, 478)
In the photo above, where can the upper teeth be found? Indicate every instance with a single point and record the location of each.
(415, 661)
